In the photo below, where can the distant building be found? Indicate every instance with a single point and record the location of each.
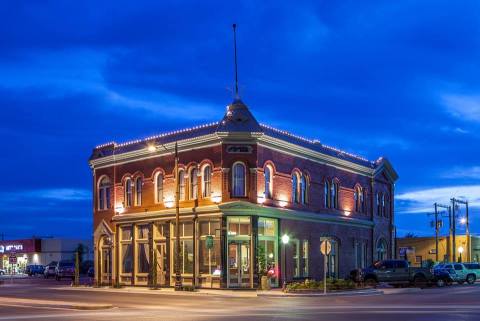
(39, 251)
(242, 186)
(420, 249)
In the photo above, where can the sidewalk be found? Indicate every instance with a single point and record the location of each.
(7, 301)
(225, 293)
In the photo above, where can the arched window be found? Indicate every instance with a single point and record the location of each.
(181, 182)
(385, 205)
(303, 190)
(358, 198)
(138, 191)
(334, 195)
(363, 197)
(268, 182)
(159, 187)
(193, 184)
(128, 192)
(296, 188)
(379, 205)
(207, 181)
(382, 249)
(326, 194)
(104, 187)
(238, 180)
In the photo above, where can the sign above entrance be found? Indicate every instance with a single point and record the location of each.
(239, 149)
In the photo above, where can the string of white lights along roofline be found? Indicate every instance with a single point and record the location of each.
(284, 132)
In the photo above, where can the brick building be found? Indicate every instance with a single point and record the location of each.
(242, 186)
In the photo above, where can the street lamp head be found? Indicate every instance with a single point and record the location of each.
(460, 249)
(463, 220)
(285, 239)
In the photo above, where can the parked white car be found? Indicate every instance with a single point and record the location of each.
(2, 272)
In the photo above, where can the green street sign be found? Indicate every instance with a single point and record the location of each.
(209, 242)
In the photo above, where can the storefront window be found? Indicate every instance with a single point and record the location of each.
(209, 247)
(360, 254)
(296, 258)
(305, 250)
(126, 249)
(239, 252)
(186, 247)
(143, 249)
(332, 258)
(238, 226)
(268, 248)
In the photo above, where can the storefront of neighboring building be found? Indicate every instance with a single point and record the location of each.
(242, 187)
(15, 255)
(421, 249)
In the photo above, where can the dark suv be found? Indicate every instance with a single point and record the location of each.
(65, 269)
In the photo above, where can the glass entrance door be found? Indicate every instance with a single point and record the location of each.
(239, 264)
(106, 260)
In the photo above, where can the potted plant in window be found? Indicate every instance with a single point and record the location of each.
(263, 269)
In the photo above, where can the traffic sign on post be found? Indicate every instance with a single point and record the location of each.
(326, 247)
(12, 259)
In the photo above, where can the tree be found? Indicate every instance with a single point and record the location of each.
(81, 249)
(410, 235)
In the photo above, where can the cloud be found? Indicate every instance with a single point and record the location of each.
(421, 201)
(463, 172)
(463, 106)
(43, 195)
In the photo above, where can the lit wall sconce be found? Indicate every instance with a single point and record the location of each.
(216, 199)
(119, 209)
(347, 213)
(169, 204)
(282, 203)
(260, 199)
(151, 148)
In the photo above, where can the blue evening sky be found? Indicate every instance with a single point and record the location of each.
(376, 78)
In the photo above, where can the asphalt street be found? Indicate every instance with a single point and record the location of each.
(19, 298)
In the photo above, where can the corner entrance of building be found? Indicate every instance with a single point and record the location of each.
(239, 264)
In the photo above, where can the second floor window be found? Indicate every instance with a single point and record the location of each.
(334, 195)
(379, 205)
(128, 193)
(194, 184)
(326, 194)
(159, 188)
(238, 180)
(104, 188)
(359, 200)
(181, 179)
(207, 181)
(268, 182)
(138, 191)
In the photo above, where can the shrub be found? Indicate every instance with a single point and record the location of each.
(312, 285)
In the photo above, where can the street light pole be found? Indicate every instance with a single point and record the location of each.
(453, 230)
(285, 239)
(178, 278)
(436, 233)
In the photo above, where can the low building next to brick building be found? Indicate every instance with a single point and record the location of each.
(242, 186)
(418, 250)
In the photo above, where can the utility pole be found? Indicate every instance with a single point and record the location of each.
(454, 232)
(178, 278)
(436, 233)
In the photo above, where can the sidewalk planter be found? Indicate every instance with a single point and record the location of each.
(311, 286)
(265, 283)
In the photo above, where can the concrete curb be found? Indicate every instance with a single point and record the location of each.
(54, 304)
(329, 294)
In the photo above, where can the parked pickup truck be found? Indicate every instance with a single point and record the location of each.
(394, 272)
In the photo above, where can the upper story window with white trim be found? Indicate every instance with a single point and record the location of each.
(304, 189)
(359, 199)
(334, 194)
(296, 188)
(268, 182)
(326, 194)
(128, 187)
(207, 181)
(104, 191)
(138, 191)
(379, 205)
(239, 187)
(384, 205)
(193, 184)
(181, 179)
(159, 188)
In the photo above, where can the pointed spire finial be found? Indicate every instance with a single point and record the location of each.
(235, 51)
